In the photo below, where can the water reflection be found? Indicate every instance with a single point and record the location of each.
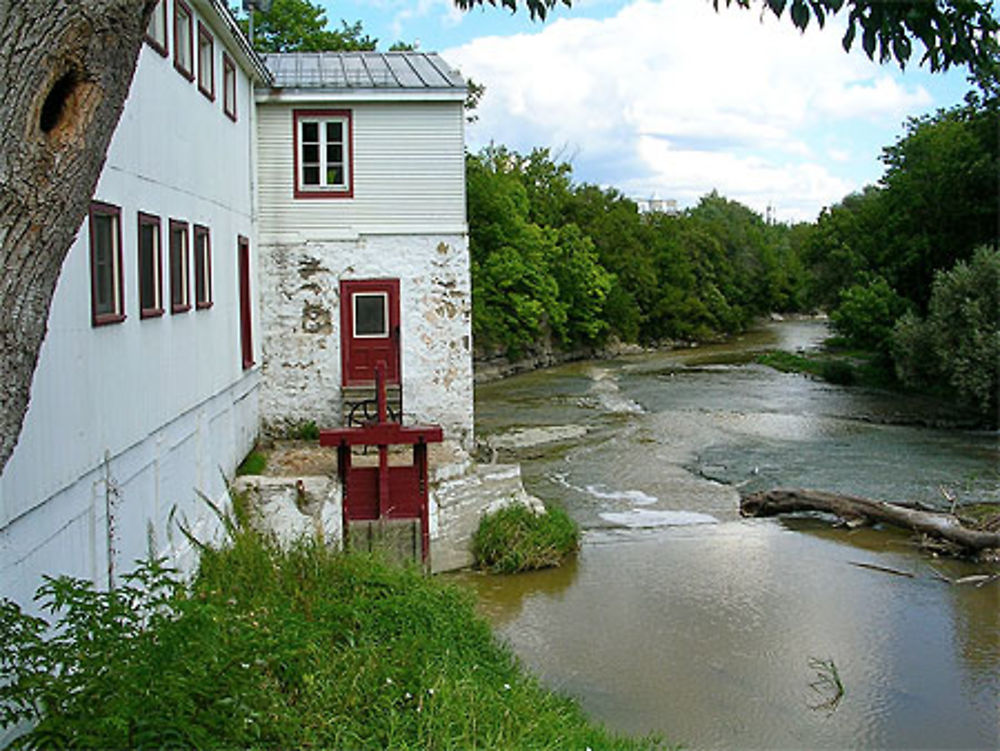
(706, 632)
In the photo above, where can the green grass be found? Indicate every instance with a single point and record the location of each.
(254, 464)
(845, 368)
(271, 649)
(307, 430)
(517, 539)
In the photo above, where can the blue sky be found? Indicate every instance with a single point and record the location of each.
(670, 99)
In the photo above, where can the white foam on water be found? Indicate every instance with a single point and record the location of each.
(646, 518)
(633, 496)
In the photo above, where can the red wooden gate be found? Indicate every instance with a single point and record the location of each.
(384, 492)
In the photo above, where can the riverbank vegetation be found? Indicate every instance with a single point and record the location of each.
(275, 649)
(516, 539)
(908, 269)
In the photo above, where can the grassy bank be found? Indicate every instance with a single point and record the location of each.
(517, 539)
(840, 366)
(282, 650)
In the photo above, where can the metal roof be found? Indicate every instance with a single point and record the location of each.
(340, 71)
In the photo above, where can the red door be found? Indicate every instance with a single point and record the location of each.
(369, 325)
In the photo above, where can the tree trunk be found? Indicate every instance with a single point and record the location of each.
(939, 525)
(65, 71)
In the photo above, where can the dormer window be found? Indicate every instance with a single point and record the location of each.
(323, 145)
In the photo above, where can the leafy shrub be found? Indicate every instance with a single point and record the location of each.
(839, 372)
(866, 314)
(959, 341)
(517, 539)
(272, 649)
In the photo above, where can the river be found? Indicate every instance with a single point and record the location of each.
(681, 618)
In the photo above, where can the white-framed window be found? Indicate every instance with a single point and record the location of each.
(323, 154)
(156, 32)
(206, 62)
(107, 298)
(202, 267)
(229, 86)
(180, 277)
(183, 39)
(371, 315)
(150, 267)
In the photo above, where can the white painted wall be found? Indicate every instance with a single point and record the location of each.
(409, 173)
(159, 406)
(300, 315)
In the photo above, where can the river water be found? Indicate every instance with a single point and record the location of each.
(681, 618)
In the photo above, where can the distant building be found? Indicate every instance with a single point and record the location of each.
(657, 205)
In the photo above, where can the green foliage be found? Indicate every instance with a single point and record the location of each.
(958, 343)
(866, 314)
(940, 194)
(575, 263)
(307, 430)
(254, 463)
(935, 205)
(301, 26)
(517, 539)
(271, 649)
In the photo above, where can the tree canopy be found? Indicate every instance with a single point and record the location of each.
(302, 26)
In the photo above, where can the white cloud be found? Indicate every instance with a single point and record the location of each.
(446, 11)
(675, 99)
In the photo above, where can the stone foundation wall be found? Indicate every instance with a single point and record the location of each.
(300, 324)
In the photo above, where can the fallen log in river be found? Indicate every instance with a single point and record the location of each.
(853, 510)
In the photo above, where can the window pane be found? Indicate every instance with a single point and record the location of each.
(104, 264)
(202, 267)
(147, 267)
(205, 63)
(182, 31)
(310, 132)
(334, 175)
(310, 154)
(335, 153)
(229, 86)
(369, 315)
(335, 132)
(178, 267)
(310, 175)
(157, 29)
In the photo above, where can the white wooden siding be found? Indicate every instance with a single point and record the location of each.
(141, 400)
(409, 173)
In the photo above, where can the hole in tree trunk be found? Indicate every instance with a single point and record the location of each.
(55, 103)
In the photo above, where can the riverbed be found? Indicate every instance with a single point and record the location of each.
(679, 617)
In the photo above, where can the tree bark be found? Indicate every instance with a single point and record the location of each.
(65, 71)
(939, 525)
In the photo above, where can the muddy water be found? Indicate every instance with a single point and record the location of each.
(681, 618)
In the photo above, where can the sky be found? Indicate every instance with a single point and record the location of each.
(670, 99)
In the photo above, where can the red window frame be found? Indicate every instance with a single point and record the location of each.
(202, 267)
(147, 310)
(181, 9)
(206, 87)
(321, 115)
(117, 274)
(157, 44)
(180, 267)
(229, 87)
(246, 322)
